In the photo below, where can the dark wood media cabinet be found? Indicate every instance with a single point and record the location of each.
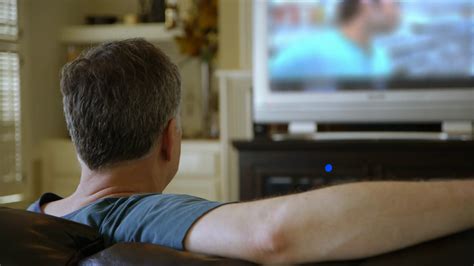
(270, 168)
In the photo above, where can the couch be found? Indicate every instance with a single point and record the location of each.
(36, 239)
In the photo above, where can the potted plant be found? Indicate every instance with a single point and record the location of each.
(200, 40)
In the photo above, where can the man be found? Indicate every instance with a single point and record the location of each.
(346, 51)
(121, 102)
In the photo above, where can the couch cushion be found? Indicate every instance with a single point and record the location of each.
(36, 239)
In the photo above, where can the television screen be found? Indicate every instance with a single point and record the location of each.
(338, 45)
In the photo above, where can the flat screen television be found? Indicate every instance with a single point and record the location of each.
(360, 61)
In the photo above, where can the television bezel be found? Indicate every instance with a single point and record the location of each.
(426, 102)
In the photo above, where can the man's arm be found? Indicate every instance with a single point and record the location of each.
(335, 223)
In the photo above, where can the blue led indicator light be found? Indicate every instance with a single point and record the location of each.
(328, 168)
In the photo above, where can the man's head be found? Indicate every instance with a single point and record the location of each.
(379, 16)
(120, 102)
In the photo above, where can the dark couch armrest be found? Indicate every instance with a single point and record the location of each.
(457, 249)
(149, 254)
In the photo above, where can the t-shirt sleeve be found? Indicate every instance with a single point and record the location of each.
(45, 198)
(159, 219)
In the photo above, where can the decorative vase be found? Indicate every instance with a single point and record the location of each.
(210, 127)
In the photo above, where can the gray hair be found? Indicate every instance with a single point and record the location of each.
(118, 98)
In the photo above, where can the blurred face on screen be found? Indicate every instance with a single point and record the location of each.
(383, 16)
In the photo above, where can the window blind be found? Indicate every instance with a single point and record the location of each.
(10, 133)
(8, 19)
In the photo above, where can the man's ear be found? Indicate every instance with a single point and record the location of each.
(168, 139)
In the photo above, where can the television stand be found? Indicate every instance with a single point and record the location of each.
(268, 168)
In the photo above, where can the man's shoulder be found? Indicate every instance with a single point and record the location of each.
(162, 219)
(157, 202)
(151, 198)
(140, 203)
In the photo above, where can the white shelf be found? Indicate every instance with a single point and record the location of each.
(87, 34)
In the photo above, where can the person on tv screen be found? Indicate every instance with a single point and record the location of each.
(344, 51)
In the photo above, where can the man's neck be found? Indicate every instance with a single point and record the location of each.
(358, 33)
(136, 177)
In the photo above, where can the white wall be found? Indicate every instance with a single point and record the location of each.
(235, 34)
(42, 57)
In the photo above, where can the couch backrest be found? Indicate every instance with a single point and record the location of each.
(36, 239)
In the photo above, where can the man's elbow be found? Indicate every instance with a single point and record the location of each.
(271, 245)
(273, 237)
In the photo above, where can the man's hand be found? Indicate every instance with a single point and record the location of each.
(336, 223)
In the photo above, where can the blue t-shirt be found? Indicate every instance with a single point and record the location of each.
(329, 54)
(162, 219)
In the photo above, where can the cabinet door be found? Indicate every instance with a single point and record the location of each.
(199, 171)
(266, 174)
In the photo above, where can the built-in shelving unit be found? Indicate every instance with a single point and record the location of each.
(86, 34)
